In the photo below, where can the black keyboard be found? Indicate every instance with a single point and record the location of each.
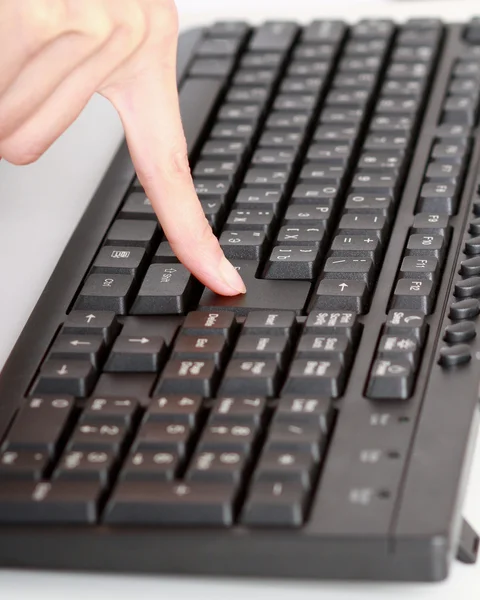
(319, 426)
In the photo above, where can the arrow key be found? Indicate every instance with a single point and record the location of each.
(86, 347)
(137, 354)
(335, 294)
(72, 377)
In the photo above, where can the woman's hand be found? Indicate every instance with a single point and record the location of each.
(55, 54)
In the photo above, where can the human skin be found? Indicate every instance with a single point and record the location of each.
(55, 54)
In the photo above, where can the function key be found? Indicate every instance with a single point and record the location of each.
(416, 294)
(273, 36)
(431, 223)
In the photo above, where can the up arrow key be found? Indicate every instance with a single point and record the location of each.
(342, 286)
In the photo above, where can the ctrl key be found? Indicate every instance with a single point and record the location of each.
(172, 503)
(44, 502)
(275, 504)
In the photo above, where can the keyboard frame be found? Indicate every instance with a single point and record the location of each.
(427, 535)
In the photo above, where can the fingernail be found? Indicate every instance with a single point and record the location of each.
(231, 276)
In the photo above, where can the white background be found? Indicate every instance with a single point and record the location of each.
(39, 208)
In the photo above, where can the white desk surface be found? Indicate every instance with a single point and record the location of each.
(39, 208)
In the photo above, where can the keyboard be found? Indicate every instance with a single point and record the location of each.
(319, 426)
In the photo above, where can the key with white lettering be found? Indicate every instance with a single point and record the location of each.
(111, 409)
(308, 376)
(23, 464)
(84, 322)
(260, 377)
(228, 436)
(193, 347)
(210, 323)
(79, 347)
(306, 409)
(275, 503)
(332, 323)
(120, 259)
(391, 380)
(293, 262)
(295, 436)
(142, 354)
(104, 435)
(163, 435)
(175, 409)
(416, 294)
(217, 465)
(238, 409)
(266, 347)
(325, 347)
(156, 465)
(80, 465)
(39, 425)
(243, 245)
(264, 322)
(189, 377)
(338, 294)
(301, 235)
(62, 376)
(392, 347)
(281, 465)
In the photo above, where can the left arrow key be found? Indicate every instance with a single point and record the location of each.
(80, 347)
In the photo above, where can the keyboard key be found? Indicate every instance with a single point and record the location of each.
(163, 435)
(62, 376)
(228, 436)
(355, 246)
(277, 465)
(332, 323)
(391, 380)
(273, 36)
(110, 409)
(312, 409)
(138, 206)
(266, 347)
(410, 323)
(275, 504)
(416, 294)
(239, 409)
(214, 323)
(353, 224)
(292, 262)
(307, 214)
(431, 223)
(166, 289)
(132, 232)
(392, 347)
(151, 465)
(172, 503)
(175, 409)
(325, 347)
(79, 347)
(438, 197)
(143, 355)
(109, 292)
(269, 323)
(84, 466)
(58, 502)
(250, 219)
(259, 376)
(211, 67)
(101, 435)
(303, 235)
(217, 466)
(92, 323)
(335, 294)
(259, 198)
(213, 347)
(369, 204)
(315, 377)
(243, 244)
(360, 269)
(23, 465)
(120, 259)
(188, 377)
(431, 246)
(165, 254)
(425, 268)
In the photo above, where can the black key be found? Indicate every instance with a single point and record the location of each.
(214, 212)
(79, 347)
(213, 347)
(453, 132)
(244, 244)
(363, 246)
(151, 465)
(106, 293)
(59, 502)
(460, 332)
(273, 36)
(362, 80)
(310, 193)
(383, 184)
(175, 409)
(335, 294)
(472, 246)
(101, 435)
(308, 214)
(336, 133)
(23, 464)
(288, 121)
(369, 204)
(353, 224)
(250, 219)
(292, 409)
(136, 385)
(92, 323)
(416, 294)
(403, 87)
(269, 323)
(210, 169)
(292, 262)
(120, 259)
(166, 289)
(470, 267)
(379, 162)
(323, 347)
(110, 409)
(388, 105)
(315, 377)
(132, 232)
(218, 47)
(391, 380)
(189, 377)
(163, 435)
(304, 436)
(232, 131)
(240, 409)
(228, 436)
(138, 206)
(308, 68)
(460, 110)
(274, 157)
(303, 235)
(163, 326)
(247, 95)
(171, 503)
(61, 376)
(413, 54)
(295, 102)
(213, 190)
(259, 376)
(431, 246)
(405, 70)
(228, 29)
(336, 155)
(211, 67)
(465, 309)
(392, 347)
(359, 269)
(255, 77)
(467, 288)
(220, 150)
(209, 465)
(258, 347)
(431, 223)
(165, 254)
(351, 98)
(280, 139)
(277, 465)
(372, 29)
(262, 294)
(273, 178)
(410, 323)
(342, 116)
(333, 323)
(391, 124)
(275, 504)
(324, 32)
(438, 197)
(215, 323)
(94, 465)
(137, 354)
(259, 198)
(452, 356)
(314, 52)
(418, 266)
(450, 152)
(322, 174)
(370, 64)
(386, 142)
